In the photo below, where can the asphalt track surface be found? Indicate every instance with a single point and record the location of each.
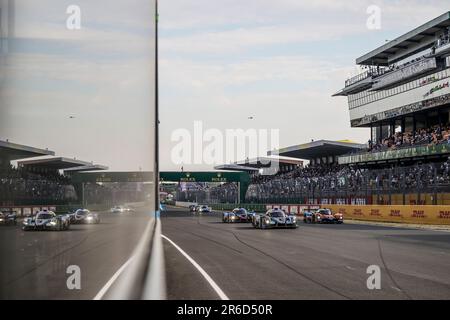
(311, 262)
(33, 264)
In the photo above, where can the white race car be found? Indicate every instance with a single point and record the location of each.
(274, 218)
(46, 220)
(117, 209)
(204, 209)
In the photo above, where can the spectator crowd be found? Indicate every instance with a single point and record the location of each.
(435, 135)
(18, 185)
(319, 181)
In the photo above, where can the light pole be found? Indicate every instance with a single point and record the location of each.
(156, 166)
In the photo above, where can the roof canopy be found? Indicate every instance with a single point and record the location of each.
(407, 44)
(319, 149)
(93, 167)
(53, 163)
(235, 167)
(13, 151)
(265, 162)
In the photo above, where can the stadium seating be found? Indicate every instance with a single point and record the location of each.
(18, 186)
(339, 181)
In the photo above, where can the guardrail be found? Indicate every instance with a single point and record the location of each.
(144, 276)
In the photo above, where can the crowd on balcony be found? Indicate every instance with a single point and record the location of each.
(443, 39)
(435, 135)
(19, 185)
(325, 180)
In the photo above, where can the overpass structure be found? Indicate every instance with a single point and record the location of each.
(241, 178)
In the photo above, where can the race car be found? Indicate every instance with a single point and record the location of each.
(203, 209)
(327, 216)
(193, 208)
(308, 216)
(237, 215)
(84, 216)
(274, 218)
(128, 209)
(8, 219)
(117, 209)
(46, 220)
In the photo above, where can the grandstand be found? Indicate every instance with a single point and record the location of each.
(320, 152)
(39, 182)
(264, 165)
(403, 96)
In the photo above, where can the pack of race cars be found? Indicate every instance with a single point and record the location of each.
(47, 220)
(278, 218)
(200, 209)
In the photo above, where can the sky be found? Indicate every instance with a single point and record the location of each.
(84, 93)
(221, 63)
(277, 61)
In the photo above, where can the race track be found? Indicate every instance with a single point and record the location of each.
(312, 262)
(33, 264)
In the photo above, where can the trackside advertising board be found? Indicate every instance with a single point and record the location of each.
(438, 215)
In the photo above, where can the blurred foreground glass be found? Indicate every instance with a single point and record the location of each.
(77, 82)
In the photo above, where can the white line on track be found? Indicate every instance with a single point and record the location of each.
(350, 268)
(110, 282)
(211, 282)
(395, 288)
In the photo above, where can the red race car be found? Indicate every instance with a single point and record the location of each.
(327, 216)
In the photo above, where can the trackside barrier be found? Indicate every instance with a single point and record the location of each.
(229, 207)
(144, 277)
(293, 209)
(23, 211)
(184, 204)
(226, 207)
(437, 215)
(70, 208)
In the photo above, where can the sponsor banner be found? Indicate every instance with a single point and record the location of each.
(26, 211)
(293, 209)
(396, 154)
(438, 215)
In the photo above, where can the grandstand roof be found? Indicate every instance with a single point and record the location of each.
(235, 167)
(264, 162)
(319, 149)
(14, 151)
(56, 163)
(407, 44)
(92, 167)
